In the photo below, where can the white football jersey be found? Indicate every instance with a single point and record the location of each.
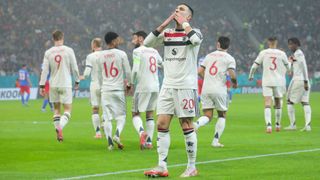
(180, 56)
(270, 59)
(145, 69)
(299, 66)
(113, 69)
(92, 69)
(216, 66)
(61, 62)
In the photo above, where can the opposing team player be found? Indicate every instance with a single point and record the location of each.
(178, 95)
(25, 84)
(214, 70)
(95, 90)
(272, 80)
(61, 62)
(299, 88)
(146, 82)
(113, 69)
(46, 99)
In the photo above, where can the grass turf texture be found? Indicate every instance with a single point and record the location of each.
(29, 149)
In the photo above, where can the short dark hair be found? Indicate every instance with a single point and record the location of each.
(24, 65)
(57, 35)
(272, 38)
(224, 42)
(294, 40)
(140, 34)
(110, 36)
(188, 7)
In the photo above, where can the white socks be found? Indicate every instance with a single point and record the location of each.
(108, 130)
(64, 119)
(96, 122)
(137, 123)
(163, 144)
(121, 121)
(307, 114)
(221, 123)
(278, 114)
(150, 129)
(267, 116)
(291, 114)
(203, 120)
(191, 146)
(56, 121)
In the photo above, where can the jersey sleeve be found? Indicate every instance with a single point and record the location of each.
(195, 36)
(159, 61)
(74, 66)
(301, 59)
(154, 39)
(88, 68)
(232, 63)
(136, 65)
(126, 67)
(259, 59)
(285, 61)
(205, 62)
(45, 70)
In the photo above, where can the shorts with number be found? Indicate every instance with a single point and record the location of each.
(297, 93)
(275, 91)
(144, 101)
(62, 95)
(219, 102)
(113, 104)
(179, 102)
(95, 96)
(24, 89)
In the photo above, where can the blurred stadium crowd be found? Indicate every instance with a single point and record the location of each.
(26, 26)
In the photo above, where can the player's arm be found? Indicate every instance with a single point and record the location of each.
(201, 70)
(286, 63)
(156, 37)
(232, 73)
(159, 61)
(75, 70)
(99, 71)
(195, 36)
(135, 67)
(302, 59)
(127, 70)
(87, 70)
(255, 66)
(44, 74)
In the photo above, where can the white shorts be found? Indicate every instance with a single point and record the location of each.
(179, 102)
(95, 96)
(113, 104)
(219, 102)
(62, 95)
(275, 91)
(144, 101)
(297, 93)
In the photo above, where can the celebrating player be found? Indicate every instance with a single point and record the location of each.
(272, 80)
(61, 61)
(113, 65)
(214, 70)
(299, 88)
(95, 90)
(25, 84)
(178, 94)
(146, 82)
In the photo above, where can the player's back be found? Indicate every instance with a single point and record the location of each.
(216, 65)
(299, 66)
(23, 75)
(92, 60)
(271, 60)
(114, 66)
(62, 62)
(148, 60)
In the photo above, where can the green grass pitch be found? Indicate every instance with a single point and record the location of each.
(29, 150)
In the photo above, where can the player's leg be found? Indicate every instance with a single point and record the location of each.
(267, 93)
(307, 116)
(45, 102)
(149, 128)
(278, 113)
(28, 94)
(22, 94)
(137, 121)
(119, 110)
(96, 121)
(57, 119)
(66, 100)
(219, 128)
(290, 107)
(205, 119)
(165, 110)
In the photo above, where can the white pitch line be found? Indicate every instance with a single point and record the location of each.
(184, 164)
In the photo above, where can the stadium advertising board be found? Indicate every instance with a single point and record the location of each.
(14, 93)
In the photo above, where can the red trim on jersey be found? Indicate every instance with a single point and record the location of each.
(175, 34)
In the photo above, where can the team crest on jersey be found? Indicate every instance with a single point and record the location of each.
(174, 51)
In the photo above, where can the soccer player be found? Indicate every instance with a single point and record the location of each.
(272, 80)
(46, 96)
(95, 90)
(178, 94)
(113, 69)
(61, 61)
(146, 82)
(299, 88)
(25, 84)
(214, 70)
